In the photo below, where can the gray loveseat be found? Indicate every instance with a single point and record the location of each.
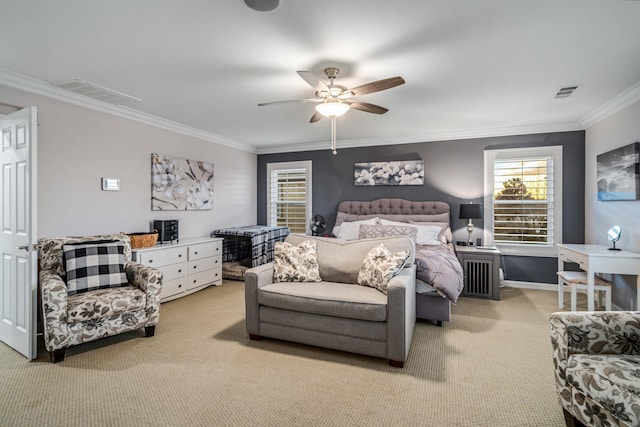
(337, 313)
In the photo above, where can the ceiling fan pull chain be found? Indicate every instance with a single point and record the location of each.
(333, 135)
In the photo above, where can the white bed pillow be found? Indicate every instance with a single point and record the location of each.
(445, 235)
(351, 230)
(426, 234)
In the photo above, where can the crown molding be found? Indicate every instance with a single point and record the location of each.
(427, 137)
(620, 102)
(40, 87)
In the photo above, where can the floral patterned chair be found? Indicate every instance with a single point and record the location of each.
(596, 356)
(73, 314)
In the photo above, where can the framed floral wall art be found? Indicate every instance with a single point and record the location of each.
(180, 184)
(406, 172)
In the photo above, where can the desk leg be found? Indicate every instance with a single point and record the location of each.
(560, 285)
(638, 292)
(590, 291)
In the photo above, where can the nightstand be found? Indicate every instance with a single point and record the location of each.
(481, 268)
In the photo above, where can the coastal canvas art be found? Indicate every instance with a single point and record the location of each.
(618, 173)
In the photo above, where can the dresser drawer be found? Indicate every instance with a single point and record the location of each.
(205, 250)
(204, 264)
(173, 287)
(165, 256)
(173, 271)
(204, 278)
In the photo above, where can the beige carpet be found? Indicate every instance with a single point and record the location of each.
(490, 366)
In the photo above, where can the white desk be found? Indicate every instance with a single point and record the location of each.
(598, 259)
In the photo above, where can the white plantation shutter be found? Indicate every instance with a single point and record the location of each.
(523, 200)
(290, 195)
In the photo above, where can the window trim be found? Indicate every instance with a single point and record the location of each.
(304, 164)
(555, 152)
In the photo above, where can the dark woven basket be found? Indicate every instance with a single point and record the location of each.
(143, 240)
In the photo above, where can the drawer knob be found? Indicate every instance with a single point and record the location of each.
(180, 271)
(195, 266)
(194, 281)
(196, 253)
(179, 255)
(150, 261)
(180, 285)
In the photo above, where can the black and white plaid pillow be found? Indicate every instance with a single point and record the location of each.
(94, 265)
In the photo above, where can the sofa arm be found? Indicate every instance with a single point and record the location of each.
(401, 313)
(149, 280)
(254, 279)
(53, 294)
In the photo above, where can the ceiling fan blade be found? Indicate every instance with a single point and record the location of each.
(313, 80)
(262, 104)
(377, 85)
(316, 117)
(369, 108)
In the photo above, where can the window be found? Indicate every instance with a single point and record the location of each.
(523, 200)
(289, 195)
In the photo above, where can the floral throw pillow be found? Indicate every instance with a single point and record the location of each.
(379, 266)
(296, 263)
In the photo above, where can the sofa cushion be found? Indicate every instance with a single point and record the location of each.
(340, 260)
(104, 303)
(610, 379)
(94, 265)
(380, 266)
(327, 298)
(295, 263)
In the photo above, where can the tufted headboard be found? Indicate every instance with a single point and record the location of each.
(393, 210)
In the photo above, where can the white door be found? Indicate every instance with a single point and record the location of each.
(18, 180)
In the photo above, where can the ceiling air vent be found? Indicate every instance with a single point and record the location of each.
(95, 91)
(565, 92)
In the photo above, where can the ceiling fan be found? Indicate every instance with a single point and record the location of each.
(334, 100)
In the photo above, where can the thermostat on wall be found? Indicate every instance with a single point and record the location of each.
(110, 184)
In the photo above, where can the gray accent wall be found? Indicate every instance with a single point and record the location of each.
(454, 173)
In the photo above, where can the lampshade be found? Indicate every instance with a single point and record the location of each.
(471, 211)
(332, 108)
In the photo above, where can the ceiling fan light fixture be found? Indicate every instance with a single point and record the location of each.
(332, 108)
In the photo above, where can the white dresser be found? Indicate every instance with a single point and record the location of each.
(187, 266)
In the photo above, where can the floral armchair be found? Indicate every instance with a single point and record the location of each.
(72, 317)
(596, 356)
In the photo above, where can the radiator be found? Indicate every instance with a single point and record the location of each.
(478, 278)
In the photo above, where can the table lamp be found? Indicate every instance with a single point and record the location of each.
(470, 211)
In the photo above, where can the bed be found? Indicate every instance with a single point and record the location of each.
(439, 277)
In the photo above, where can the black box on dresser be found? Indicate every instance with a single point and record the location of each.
(167, 230)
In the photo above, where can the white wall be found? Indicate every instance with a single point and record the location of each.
(77, 146)
(615, 131)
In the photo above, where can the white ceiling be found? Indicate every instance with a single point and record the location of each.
(472, 67)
